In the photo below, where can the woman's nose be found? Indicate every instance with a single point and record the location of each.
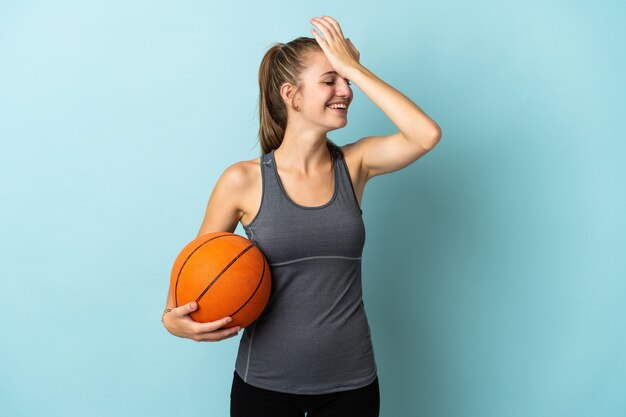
(343, 88)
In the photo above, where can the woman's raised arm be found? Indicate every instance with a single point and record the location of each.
(417, 134)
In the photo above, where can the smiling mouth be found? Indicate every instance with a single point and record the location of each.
(341, 108)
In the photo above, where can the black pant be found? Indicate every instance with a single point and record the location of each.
(249, 401)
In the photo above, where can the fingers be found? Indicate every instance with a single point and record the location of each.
(213, 331)
(334, 24)
(217, 335)
(318, 38)
(185, 309)
(325, 27)
(211, 326)
(332, 33)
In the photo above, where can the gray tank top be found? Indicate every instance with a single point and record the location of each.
(313, 337)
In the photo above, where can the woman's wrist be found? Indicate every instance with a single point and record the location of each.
(167, 310)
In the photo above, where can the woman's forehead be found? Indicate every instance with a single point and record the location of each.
(318, 65)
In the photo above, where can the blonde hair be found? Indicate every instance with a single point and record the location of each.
(282, 63)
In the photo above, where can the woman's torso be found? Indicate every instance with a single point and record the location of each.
(313, 337)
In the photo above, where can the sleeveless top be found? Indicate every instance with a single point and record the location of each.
(313, 337)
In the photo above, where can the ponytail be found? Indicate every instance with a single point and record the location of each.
(272, 109)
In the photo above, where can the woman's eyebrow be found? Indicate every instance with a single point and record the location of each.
(329, 72)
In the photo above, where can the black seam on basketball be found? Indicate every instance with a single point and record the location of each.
(222, 272)
(255, 291)
(180, 271)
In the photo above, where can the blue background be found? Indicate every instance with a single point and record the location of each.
(494, 271)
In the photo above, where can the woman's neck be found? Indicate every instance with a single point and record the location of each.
(303, 155)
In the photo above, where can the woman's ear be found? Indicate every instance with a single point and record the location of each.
(289, 92)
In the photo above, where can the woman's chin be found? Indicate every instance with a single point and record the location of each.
(337, 127)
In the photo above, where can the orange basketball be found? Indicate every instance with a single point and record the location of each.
(226, 274)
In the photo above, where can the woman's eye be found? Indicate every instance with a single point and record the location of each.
(332, 82)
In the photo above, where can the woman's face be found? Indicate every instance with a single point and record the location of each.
(320, 92)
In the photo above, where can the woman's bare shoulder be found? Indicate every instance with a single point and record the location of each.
(245, 187)
(229, 200)
(242, 174)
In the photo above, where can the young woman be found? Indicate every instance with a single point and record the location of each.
(300, 202)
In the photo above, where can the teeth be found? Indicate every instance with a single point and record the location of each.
(337, 106)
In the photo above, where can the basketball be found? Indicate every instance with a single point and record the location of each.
(226, 274)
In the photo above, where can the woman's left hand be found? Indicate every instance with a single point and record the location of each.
(340, 52)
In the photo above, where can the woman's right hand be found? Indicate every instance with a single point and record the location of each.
(178, 323)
